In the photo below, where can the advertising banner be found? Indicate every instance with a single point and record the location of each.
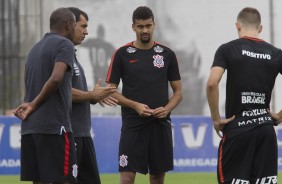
(195, 144)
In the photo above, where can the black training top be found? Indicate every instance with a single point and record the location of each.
(252, 66)
(80, 116)
(53, 115)
(145, 75)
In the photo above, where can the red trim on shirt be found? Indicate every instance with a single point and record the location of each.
(67, 154)
(128, 44)
(111, 67)
(252, 38)
(112, 60)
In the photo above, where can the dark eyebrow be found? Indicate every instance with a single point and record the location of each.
(141, 25)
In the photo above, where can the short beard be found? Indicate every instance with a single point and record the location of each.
(146, 40)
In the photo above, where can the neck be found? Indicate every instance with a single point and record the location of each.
(249, 33)
(59, 32)
(144, 46)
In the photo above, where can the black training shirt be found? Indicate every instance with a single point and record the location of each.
(145, 75)
(252, 66)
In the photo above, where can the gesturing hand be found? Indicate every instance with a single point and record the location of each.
(99, 93)
(110, 101)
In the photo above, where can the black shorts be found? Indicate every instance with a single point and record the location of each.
(146, 150)
(250, 157)
(48, 158)
(88, 172)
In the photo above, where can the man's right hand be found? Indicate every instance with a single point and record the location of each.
(143, 110)
(100, 93)
(219, 124)
(276, 116)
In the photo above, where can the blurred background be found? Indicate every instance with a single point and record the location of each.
(193, 29)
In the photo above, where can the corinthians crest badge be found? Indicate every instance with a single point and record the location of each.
(123, 160)
(158, 61)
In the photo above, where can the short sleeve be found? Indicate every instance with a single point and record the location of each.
(173, 70)
(115, 69)
(219, 58)
(65, 52)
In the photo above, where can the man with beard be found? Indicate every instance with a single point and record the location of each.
(145, 67)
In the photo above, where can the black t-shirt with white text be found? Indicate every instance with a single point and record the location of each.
(252, 66)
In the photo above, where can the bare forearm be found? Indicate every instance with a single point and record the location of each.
(81, 96)
(123, 101)
(174, 101)
(142, 109)
(48, 89)
(280, 116)
(176, 97)
(213, 100)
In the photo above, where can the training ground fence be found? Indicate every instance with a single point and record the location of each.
(19, 20)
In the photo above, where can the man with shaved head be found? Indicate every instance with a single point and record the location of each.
(248, 149)
(47, 146)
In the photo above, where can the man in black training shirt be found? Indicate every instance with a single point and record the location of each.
(88, 172)
(47, 145)
(146, 68)
(248, 149)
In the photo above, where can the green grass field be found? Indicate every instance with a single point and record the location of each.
(171, 178)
